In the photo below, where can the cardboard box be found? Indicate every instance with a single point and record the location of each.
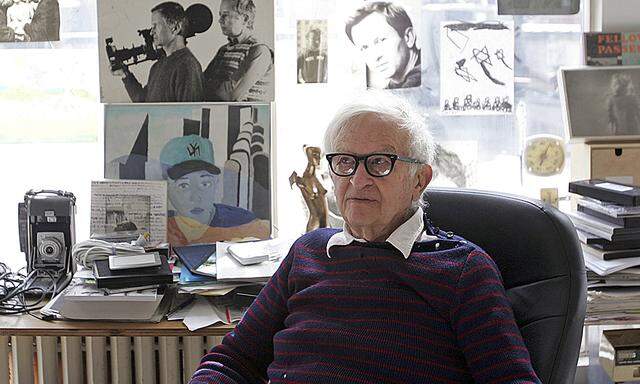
(619, 162)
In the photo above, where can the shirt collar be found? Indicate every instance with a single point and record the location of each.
(241, 38)
(402, 238)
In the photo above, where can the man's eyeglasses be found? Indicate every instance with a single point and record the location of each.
(376, 164)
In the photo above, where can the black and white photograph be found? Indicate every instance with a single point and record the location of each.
(385, 36)
(186, 51)
(29, 20)
(312, 51)
(477, 63)
(216, 160)
(601, 101)
(129, 208)
(126, 213)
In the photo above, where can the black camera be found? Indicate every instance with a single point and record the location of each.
(199, 19)
(120, 58)
(47, 235)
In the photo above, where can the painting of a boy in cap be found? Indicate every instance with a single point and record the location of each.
(194, 185)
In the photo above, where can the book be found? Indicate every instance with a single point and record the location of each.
(611, 255)
(194, 256)
(604, 244)
(623, 194)
(626, 222)
(123, 278)
(601, 227)
(612, 48)
(608, 208)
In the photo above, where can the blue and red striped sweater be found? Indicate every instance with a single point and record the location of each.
(368, 315)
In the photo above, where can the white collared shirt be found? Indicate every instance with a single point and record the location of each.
(402, 238)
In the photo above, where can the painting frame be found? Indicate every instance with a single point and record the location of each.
(211, 152)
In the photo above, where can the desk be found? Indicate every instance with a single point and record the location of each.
(101, 352)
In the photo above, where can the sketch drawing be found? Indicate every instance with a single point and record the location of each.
(477, 68)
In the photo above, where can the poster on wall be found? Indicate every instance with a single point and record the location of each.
(477, 63)
(216, 159)
(601, 102)
(385, 37)
(186, 51)
(312, 51)
(29, 20)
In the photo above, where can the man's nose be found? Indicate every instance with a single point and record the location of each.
(361, 178)
(195, 196)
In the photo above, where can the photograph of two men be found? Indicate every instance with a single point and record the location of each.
(186, 51)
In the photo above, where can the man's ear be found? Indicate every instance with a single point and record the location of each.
(410, 37)
(421, 180)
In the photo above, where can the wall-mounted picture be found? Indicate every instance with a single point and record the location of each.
(29, 20)
(312, 51)
(477, 64)
(215, 158)
(600, 102)
(538, 7)
(386, 38)
(125, 209)
(186, 51)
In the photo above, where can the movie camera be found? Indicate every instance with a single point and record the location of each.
(199, 20)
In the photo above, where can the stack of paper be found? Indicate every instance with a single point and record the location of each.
(228, 268)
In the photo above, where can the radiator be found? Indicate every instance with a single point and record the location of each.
(89, 359)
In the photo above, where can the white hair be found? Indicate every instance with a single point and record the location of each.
(388, 108)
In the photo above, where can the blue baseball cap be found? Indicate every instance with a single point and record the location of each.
(186, 154)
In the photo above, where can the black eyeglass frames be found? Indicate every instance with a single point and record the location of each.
(376, 164)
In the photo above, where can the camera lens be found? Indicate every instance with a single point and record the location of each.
(50, 247)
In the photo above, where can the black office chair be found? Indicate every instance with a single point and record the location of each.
(537, 251)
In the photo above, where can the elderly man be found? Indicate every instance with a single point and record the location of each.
(388, 299)
(383, 32)
(177, 75)
(242, 70)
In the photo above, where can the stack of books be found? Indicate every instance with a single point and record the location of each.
(607, 220)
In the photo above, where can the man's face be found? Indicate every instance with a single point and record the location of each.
(193, 195)
(313, 40)
(367, 202)
(385, 52)
(231, 22)
(162, 32)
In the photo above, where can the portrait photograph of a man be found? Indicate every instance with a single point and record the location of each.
(312, 51)
(186, 51)
(386, 37)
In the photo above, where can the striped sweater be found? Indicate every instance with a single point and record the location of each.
(367, 315)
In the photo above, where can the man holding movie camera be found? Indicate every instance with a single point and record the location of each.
(177, 75)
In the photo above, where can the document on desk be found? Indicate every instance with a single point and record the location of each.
(230, 269)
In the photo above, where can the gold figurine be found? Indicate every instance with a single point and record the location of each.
(312, 190)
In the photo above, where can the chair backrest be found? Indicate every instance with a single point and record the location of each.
(539, 256)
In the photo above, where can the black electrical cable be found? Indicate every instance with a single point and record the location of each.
(14, 287)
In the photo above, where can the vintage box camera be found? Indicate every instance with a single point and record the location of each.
(47, 234)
